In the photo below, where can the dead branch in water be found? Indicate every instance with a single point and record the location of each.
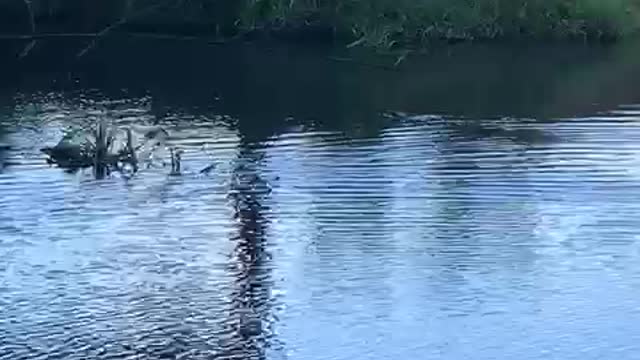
(96, 153)
(130, 151)
(101, 150)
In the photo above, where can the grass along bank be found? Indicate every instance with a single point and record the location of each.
(385, 23)
(375, 23)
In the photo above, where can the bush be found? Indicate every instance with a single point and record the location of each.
(379, 23)
(389, 22)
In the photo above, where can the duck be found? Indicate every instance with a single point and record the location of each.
(68, 155)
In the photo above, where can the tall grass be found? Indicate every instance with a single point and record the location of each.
(390, 22)
(381, 23)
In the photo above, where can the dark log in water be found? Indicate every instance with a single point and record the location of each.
(97, 154)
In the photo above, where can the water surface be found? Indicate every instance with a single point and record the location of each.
(477, 203)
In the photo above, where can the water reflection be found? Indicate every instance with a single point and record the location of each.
(3, 154)
(250, 299)
(405, 236)
(264, 86)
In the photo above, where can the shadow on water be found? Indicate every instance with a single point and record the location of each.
(6, 103)
(250, 303)
(3, 154)
(266, 85)
(487, 220)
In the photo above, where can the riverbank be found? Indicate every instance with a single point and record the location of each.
(387, 23)
(373, 23)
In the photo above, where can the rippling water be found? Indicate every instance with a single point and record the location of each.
(435, 237)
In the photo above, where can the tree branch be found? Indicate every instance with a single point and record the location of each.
(120, 22)
(32, 24)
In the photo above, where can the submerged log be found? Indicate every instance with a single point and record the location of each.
(97, 154)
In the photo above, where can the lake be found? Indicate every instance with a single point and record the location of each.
(473, 202)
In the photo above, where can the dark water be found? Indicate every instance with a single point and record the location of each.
(495, 219)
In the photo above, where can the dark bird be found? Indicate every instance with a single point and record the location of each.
(68, 155)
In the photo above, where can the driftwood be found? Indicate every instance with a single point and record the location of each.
(97, 154)
(100, 154)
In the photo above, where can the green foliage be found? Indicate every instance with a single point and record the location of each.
(389, 22)
(384, 23)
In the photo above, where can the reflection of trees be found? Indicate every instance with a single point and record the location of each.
(3, 157)
(483, 228)
(3, 150)
(250, 298)
(6, 103)
(484, 202)
(263, 88)
(476, 130)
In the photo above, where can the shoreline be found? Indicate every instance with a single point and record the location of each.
(379, 24)
(316, 36)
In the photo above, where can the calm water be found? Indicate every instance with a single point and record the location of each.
(477, 203)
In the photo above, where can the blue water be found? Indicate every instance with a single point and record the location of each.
(397, 236)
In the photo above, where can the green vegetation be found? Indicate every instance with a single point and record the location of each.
(377, 23)
(389, 22)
